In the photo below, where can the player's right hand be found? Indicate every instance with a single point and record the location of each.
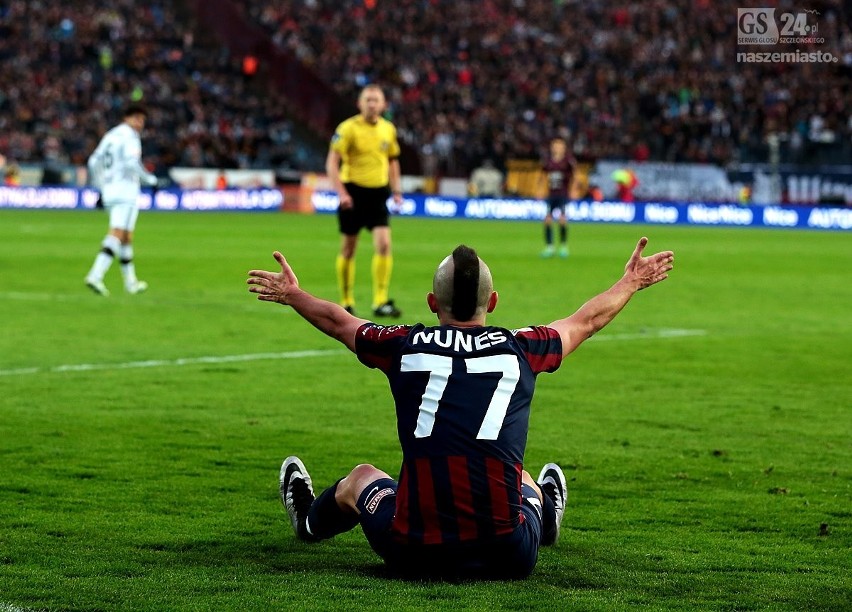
(271, 286)
(647, 271)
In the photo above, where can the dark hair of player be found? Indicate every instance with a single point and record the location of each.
(465, 283)
(135, 109)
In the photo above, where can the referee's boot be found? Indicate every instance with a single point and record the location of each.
(387, 310)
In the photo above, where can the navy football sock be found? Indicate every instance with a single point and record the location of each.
(326, 519)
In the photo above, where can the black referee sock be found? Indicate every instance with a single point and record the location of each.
(548, 234)
(326, 519)
(548, 520)
(563, 234)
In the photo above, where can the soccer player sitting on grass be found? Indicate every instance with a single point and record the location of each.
(463, 504)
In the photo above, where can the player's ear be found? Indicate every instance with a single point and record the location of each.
(432, 301)
(492, 302)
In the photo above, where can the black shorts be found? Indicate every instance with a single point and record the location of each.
(508, 557)
(555, 203)
(369, 209)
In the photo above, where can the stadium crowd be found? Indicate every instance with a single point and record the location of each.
(69, 68)
(467, 80)
(470, 79)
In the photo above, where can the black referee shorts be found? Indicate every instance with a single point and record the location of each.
(369, 209)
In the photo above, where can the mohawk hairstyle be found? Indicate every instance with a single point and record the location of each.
(465, 283)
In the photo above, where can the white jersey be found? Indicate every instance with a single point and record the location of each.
(116, 166)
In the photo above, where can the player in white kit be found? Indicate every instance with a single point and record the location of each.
(116, 170)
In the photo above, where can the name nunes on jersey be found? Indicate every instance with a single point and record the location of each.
(459, 340)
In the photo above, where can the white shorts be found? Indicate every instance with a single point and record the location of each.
(123, 216)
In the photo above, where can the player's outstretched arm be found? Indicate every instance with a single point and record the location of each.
(639, 272)
(283, 287)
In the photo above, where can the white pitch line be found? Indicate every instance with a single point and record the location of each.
(651, 334)
(156, 363)
(44, 297)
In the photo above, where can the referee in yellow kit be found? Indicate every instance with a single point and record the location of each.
(366, 145)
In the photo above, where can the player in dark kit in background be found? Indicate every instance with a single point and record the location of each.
(558, 172)
(463, 505)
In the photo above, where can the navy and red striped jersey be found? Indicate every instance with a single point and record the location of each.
(560, 173)
(462, 400)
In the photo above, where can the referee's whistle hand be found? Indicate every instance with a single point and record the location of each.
(345, 200)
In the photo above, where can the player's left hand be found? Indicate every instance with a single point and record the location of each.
(274, 286)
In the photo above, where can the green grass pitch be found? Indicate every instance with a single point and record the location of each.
(706, 433)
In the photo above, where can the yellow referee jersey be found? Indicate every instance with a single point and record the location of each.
(365, 149)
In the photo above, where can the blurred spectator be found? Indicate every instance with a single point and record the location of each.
(12, 175)
(657, 80)
(744, 195)
(486, 180)
(625, 183)
(53, 160)
(465, 80)
(594, 193)
(69, 68)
